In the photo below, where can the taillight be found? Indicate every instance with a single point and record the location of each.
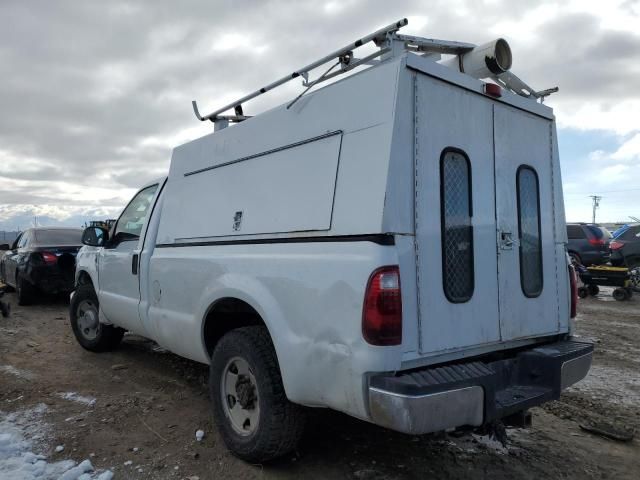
(49, 258)
(573, 281)
(382, 311)
(616, 245)
(596, 242)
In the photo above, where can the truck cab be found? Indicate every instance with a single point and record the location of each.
(403, 261)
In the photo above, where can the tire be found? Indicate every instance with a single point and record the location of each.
(593, 290)
(635, 279)
(24, 291)
(274, 425)
(3, 280)
(90, 333)
(575, 258)
(583, 292)
(620, 294)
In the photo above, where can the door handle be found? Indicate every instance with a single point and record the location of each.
(506, 240)
(134, 264)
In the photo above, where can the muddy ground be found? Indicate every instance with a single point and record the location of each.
(149, 403)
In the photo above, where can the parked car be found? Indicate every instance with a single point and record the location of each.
(588, 243)
(623, 228)
(342, 254)
(41, 259)
(625, 247)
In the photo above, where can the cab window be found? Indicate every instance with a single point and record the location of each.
(24, 239)
(130, 223)
(16, 242)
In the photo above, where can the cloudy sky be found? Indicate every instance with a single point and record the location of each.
(94, 94)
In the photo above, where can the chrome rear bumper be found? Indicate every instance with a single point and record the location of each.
(475, 393)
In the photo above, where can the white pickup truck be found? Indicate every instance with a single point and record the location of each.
(391, 246)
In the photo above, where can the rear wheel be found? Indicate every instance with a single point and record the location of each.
(583, 292)
(620, 294)
(256, 420)
(593, 290)
(575, 258)
(24, 291)
(84, 315)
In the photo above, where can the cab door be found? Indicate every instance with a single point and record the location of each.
(118, 263)
(12, 257)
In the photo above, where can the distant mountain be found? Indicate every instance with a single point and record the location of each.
(22, 221)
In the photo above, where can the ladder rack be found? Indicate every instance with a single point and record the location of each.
(389, 44)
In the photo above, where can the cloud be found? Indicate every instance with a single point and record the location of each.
(629, 150)
(95, 94)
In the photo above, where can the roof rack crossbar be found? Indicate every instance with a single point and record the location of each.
(446, 47)
(389, 44)
(377, 35)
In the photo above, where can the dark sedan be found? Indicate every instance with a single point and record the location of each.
(625, 246)
(42, 259)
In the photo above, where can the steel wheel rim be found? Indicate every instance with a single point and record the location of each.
(635, 278)
(88, 320)
(240, 400)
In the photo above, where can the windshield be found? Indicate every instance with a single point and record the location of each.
(58, 237)
(599, 232)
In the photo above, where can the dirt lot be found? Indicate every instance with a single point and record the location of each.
(135, 412)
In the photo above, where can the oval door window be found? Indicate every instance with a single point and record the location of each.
(457, 231)
(529, 231)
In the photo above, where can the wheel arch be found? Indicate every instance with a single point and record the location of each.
(84, 278)
(226, 314)
(233, 308)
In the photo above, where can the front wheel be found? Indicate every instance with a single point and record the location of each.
(85, 322)
(24, 291)
(3, 280)
(256, 420)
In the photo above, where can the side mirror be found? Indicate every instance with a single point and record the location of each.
(5, 246)
(95, 236)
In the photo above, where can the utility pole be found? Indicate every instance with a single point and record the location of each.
(596, 204)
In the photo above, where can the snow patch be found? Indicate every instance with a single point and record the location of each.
(16, 372)
(491, 443)
(615, 385)
(74, 397)
(19, 432)
(476, 443)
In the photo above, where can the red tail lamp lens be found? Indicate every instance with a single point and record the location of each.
(382, 312)
(49, 258)
(615, 245)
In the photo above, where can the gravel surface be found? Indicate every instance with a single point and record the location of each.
(136, 412)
